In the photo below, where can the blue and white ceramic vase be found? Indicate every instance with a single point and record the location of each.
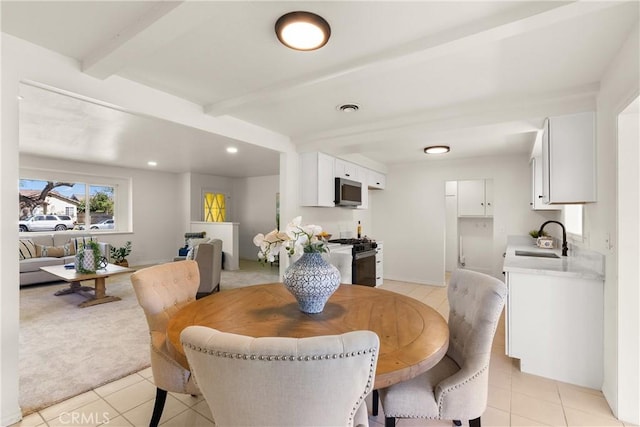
(311, 280)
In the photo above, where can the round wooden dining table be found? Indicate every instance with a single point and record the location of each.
(413, 336)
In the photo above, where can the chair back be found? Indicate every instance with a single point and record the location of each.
(274, 381)
(164, 289)
(476, 301)
(209, 259)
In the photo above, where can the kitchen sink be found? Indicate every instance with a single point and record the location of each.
(537, 254)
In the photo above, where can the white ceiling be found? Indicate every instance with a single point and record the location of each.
(479, 76)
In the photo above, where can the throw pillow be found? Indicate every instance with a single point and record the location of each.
(55, 251)
(193, 252)
(78, 242)
(199, 235)
(26, 249)
(192, 243)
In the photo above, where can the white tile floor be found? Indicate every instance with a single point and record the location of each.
(515, 398)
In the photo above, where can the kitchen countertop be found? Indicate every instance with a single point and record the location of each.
(583, 264)
(339, 247)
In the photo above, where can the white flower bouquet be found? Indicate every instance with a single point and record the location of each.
(296, 239)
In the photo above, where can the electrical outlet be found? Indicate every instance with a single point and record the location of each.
(608, 244)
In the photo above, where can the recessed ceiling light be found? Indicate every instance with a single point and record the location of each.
(437, 149)
(152, 163)
(232, 150)
(302, 30)
(348, 108)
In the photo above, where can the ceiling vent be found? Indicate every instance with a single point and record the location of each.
(348, 108)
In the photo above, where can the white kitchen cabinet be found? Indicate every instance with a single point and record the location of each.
(568, 159)
(536, 202)
(317, 184)
(376, 180)
(364, 197)
(488, 197)
(475, 197)
(379, 264)
(348, 170)
(554, 325)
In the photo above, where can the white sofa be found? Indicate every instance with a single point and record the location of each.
(30, 272)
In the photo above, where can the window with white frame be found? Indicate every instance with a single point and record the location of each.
(572, 219)
(93, 202)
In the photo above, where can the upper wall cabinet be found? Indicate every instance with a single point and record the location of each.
(317, 186)
(376, 180)
(475, 197)
(536, 202)
(317, 179)
(568, 159)
(348, 170)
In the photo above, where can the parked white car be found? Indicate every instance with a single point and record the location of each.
(46, 223)
(106, 224)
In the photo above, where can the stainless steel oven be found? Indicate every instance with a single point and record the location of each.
(363, 260)
(364, 268)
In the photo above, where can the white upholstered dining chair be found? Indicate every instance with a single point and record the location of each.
(274, 381)
(162, 290)
(457, 387)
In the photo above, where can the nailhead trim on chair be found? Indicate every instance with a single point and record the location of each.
(476, 375)
(292, 358)
(277, 357)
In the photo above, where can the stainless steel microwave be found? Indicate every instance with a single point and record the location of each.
(348, 193)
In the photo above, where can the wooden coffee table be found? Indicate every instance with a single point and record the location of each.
(413, 336)
(100, 289)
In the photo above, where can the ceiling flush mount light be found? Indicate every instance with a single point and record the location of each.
(152, 163)
(348, 108)
(232, 150)
(437, 149)
(302, 30)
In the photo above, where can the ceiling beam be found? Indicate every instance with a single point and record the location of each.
(440, 121)
(533, 16)
(166, 21)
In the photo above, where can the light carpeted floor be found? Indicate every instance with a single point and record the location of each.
(66, 350)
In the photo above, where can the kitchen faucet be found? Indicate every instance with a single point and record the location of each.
(564, 235)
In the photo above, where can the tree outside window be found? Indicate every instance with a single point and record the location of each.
(68, 198)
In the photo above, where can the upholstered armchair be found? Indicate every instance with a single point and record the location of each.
(209, 258)
(273, 381)
(457, 387)
(162, 290)
(208, 255)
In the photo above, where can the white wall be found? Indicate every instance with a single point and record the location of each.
(476, 236)
(618, 87)
(337, 219)
(9, 293)
(211, 183)
(409, 216)
(628, 262)
(255, 210)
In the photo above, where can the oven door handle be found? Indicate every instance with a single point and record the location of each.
(365, 254)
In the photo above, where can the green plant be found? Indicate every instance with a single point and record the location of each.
(534, 233)
(97, 255)
(121, 253)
